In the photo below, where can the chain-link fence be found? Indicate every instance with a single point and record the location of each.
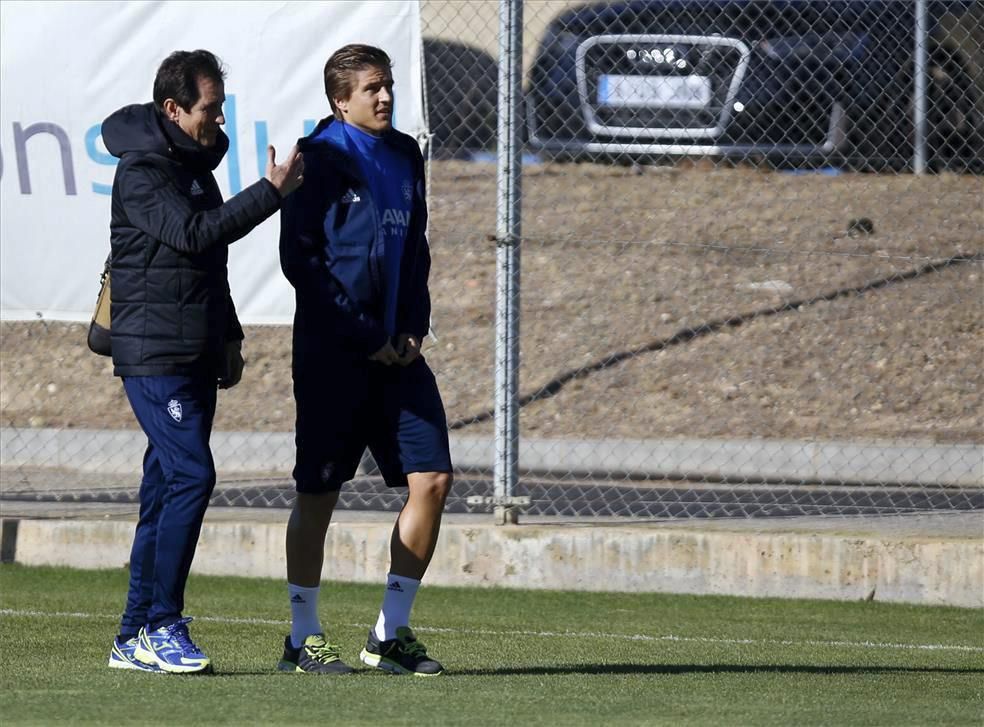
(751, 284)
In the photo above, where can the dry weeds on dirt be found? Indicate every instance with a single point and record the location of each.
(822, 335)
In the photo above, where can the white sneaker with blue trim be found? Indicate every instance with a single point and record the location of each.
(171, 648)
(121, 657)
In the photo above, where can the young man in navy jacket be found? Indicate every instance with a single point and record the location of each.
(353, 246)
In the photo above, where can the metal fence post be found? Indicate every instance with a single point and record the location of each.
(919, 72)
(508, 209)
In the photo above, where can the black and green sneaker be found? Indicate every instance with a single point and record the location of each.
(316, 656)
(402, 655)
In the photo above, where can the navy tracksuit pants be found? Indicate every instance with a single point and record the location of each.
(176, 413)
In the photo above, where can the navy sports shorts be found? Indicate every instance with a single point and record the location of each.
(347, 406)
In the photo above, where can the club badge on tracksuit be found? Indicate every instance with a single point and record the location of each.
(174, 409)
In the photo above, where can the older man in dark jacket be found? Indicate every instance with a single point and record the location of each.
(174, 329)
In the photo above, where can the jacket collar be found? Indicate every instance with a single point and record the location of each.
(142, 128)
(392, 137)
(190, 151)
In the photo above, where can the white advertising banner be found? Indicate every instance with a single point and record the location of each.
(65, 66)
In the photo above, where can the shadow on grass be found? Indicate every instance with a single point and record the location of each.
(610, 669)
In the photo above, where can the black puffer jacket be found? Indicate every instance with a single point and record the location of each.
(172, 313)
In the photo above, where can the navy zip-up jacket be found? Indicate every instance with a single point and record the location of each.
(171, 310)
(331, 250)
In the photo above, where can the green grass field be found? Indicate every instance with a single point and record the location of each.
(513, 657)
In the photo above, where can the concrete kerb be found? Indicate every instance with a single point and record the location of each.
(915, 463)
(648, 557)
(809, 558)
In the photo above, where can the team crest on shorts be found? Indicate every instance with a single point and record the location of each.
(174, 409)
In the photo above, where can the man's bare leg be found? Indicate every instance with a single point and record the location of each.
(391, 644)
(306, 530)
(416, 530)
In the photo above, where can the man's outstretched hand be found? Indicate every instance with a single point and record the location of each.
(288, 176)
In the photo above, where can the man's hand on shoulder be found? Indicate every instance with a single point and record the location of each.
(288, 176)
(234, 363)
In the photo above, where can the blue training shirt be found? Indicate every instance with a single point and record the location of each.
(390, 178)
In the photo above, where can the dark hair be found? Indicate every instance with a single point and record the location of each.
(344, 62)
(177, 77)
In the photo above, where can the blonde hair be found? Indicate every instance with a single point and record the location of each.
(344, 63)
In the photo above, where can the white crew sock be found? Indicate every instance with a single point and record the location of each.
(303, 613)
(397, 602)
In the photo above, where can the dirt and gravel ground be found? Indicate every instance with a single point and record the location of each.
(616, 261)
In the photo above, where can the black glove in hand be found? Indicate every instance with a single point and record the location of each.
(234, 362)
